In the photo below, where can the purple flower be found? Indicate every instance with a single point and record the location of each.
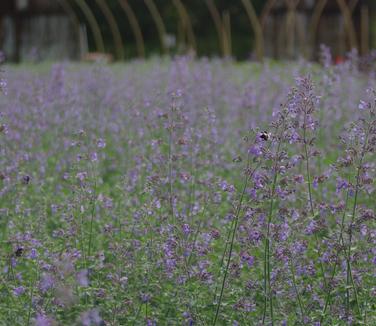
(145, 297)
(94, 157)
(311, 227)
(247, 259)
(294, 137)
(186, 229)
(315, 182)
(299, 178)
(254, 236)
(91, 317)
(363, 105)
(33, 254)
(3, 86)
(258, 180)
(256, 150)
(295, 159)
(101, 143)
(151, 322)
(299, 248)
(47, 282)
(325, 56)
(18, 291)
(81, 176)
(42, 320)
(82, 278)
(341, 184)
(284, 231)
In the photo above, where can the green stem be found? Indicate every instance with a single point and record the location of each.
(31, 299)
(93, 206)
(229, 232)
(328, 296)
(224, 254)
(349, 277)
(137, 314)
(296, 289)
(236, 221)
(170, 138)
(310, 196)
(93, 203)
(196, 235)
(267, 269)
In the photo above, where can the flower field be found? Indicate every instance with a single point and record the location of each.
(188, 192)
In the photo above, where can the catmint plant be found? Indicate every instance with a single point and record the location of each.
(188, 192)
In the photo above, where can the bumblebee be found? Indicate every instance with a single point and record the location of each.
(19, 252)
(26, 179)
(265, 136)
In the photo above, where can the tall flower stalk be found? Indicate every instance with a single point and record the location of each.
(232, 232)
(304, 109)
(278, 139)
(267, 267)
(367, 129)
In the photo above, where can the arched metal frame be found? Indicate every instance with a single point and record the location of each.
(347, 11)
(119, 48)
(226, 31)
(187, 24)
(315, 19)
(219, 26)
(161, 28)
(135, 26)
(349, 24)
(256, 26)
(364, 28)
(291, 24)
(266, 11)
(64, 4)
(221, 21)
(94, 26)
(352, 5)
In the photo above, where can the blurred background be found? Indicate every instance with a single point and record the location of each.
(115, 30)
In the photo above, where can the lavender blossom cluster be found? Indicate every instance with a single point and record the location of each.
(188, 192)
